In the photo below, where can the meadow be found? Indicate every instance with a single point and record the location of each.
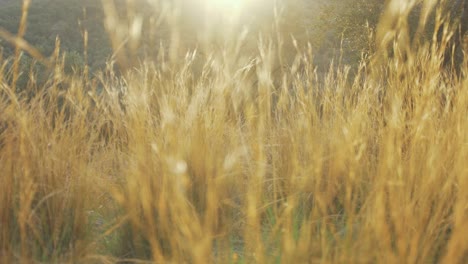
(239, 152)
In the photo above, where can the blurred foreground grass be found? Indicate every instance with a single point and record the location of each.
(222, 158)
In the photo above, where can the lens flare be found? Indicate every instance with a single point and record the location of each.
(227, 7)
(226, 4)
(233, 10)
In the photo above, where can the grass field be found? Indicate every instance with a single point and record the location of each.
(220, 157)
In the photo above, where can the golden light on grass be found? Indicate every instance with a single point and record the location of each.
(233, 162)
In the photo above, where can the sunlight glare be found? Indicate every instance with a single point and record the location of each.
(227, 7)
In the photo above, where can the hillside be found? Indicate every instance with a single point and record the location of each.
(322, 23)
(49, 19)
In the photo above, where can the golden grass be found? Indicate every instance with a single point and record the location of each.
(221, 159)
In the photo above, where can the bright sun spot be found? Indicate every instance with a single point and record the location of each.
(227, 6)
(222, 13)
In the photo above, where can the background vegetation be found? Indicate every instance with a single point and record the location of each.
(173, 140)
(328, 25)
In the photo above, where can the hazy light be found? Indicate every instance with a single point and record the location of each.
(222, 15)
(228, 8)
(225, 5)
